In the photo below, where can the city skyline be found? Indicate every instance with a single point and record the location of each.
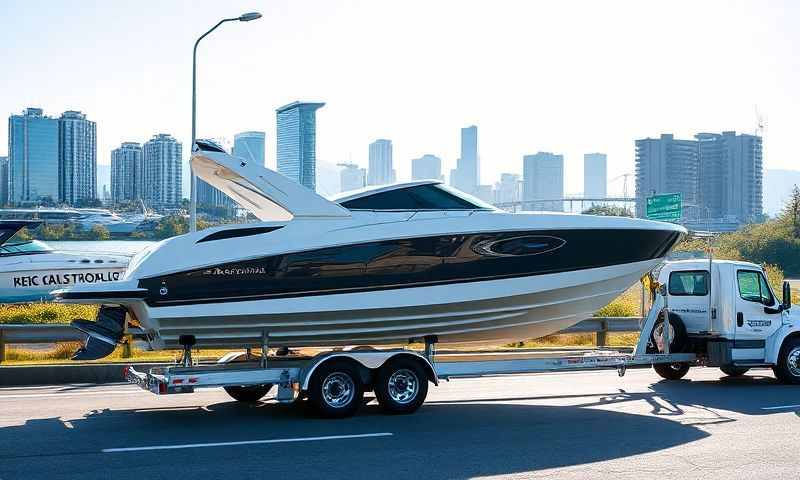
(569, 113)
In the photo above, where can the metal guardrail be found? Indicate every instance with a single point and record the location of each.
(32, 334)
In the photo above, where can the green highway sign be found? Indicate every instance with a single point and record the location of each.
(667, 207)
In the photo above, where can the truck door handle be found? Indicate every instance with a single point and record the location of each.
(740, 319)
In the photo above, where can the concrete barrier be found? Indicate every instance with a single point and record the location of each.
(22, 375)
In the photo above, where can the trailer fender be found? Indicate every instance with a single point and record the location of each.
(369, 359)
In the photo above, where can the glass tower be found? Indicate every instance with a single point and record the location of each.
(77, 158)
(161, 171)
(32, 158)
(297, 138)
(126, 172)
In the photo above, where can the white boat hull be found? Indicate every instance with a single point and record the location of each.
(499, 311)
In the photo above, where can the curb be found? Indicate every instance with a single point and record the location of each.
(28, 375)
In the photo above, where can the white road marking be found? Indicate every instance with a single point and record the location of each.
(246, 442)
(780, 407)
(67, 394)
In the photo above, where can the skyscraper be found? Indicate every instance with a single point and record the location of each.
(466, 176)
(381, 168)
(126, 172)
(250, 145)
(594, 175)
(33, 168)
(77, 158)
(297, 134)
(352, 177)
(543, 179)
(730, 176)
(161, 171)
(507, 190)
(3, 180)
(426, 167)
(666, 165)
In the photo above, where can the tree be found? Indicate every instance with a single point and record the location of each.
(608, 210)
(99, 232)
(791, 212)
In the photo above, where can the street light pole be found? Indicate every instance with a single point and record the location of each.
(193, 182)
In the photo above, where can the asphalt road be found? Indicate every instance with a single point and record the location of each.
(567, 426)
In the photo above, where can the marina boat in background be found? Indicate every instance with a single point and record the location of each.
(390, 265)
(30, 270)
(118, 225)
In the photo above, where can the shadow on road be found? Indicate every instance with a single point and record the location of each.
(444, 439)
(439, 441)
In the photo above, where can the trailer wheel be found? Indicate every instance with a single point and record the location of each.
(732, 371)
(248, 393)
(401, 386)
(335, 389)
(671, 371)
(788, 368)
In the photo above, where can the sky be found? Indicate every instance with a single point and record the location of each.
(569, 77)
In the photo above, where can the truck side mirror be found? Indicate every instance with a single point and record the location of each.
(787, 295)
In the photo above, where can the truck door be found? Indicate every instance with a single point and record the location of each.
(753, 325)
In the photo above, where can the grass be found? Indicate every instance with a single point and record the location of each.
(45, 313)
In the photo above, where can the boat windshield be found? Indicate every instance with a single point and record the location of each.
(418, 197)
(24, 248)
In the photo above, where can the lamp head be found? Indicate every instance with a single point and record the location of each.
(246, 17)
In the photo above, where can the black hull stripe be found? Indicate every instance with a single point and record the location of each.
(403, 263)
(408, 263)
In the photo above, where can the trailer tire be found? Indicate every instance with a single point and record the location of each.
(679, 339)
(248, 393)
(788, 368)
(335, 389)
(732, 371)
(671, 371)
(401, 386)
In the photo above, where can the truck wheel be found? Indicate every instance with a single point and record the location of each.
(678, 337)
(335, 389)
(248, 393)
(788, 368)
(671, 371)
(732, 371)
(401, 386)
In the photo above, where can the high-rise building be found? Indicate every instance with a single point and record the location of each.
(594, 175)
(250, 145)
(127, 181)
(666, 165)
(426, 167)
(466, 176)
(3, 181)
(507, 190)
(381, 169)
(543, 179)
(32, 158)
(351, 177)
(77, 158)
(485, 193)
(161, 171)
(296, 138)
(730, 177)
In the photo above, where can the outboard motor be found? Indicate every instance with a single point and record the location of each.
(103, 334)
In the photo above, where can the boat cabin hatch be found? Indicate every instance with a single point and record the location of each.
(421, 195)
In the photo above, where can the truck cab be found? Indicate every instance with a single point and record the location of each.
(726, 313)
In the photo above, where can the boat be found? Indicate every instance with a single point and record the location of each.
(30, 269)
(118, 225)
(388, 265)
